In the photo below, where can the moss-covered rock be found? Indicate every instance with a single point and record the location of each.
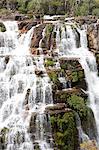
(2, 27)
(3, 138)
(78, 104)
(64, 131)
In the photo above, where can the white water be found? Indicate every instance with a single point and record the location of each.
(40, 43)
(22, 93)
(67, 48)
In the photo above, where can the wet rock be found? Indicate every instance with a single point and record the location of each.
(2, 27)
(7, 59)
(47, 41)
(3, 138)
(39, 72)
(20, 17)
(57, 109)
(26, 25)
(32, 126)
(37, 36)
(22, 24)
(86, 19)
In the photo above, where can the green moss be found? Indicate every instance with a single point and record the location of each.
(65, 132)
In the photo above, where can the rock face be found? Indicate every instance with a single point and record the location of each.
(92, 24)
(37, 36)
(93, 37)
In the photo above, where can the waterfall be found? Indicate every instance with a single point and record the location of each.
(87, 60)
(40, 43)
(82, 136)
(23, 94)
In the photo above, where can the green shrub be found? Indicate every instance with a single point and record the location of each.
(77, 103)
(65, 132)
(49, 63)
(49, 29)
(95, 12)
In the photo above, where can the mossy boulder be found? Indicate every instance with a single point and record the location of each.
(2, 27)
(3, 138)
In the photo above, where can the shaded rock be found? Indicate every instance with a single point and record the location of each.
(57, 109)
(20, 17)
(26, 25)
(7, 59)
(93, 37)
(2, 27)
(39, 72)
(69, 90)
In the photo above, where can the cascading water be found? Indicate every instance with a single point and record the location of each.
(23, 93)
(68, 48)
(40, 43)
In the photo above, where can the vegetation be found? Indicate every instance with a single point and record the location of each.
(65, 132)
(78, 104)
(52, 7)
(49, 63)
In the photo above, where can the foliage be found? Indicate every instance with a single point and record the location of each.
(82, 10)
(96, 12)
(77, 103)
(49, 63)
(74, 76)
(53, 76)
(69, 7)
(49, 29)
(65, 132)
(4, 11)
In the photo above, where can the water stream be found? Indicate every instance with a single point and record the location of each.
(23, 93)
